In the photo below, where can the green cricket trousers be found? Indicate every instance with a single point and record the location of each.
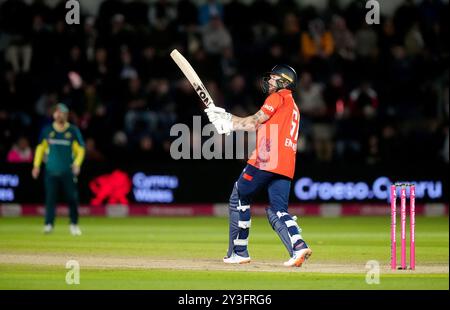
(53, 182)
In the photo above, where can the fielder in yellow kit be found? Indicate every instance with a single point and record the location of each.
(63, 146)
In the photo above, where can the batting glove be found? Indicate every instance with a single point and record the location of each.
(223, 126)
(215, 113)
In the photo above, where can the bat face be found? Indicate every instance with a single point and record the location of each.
(192, 77)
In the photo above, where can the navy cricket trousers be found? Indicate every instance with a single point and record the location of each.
(251, 181)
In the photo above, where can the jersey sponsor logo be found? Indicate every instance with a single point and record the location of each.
(269, 108)
(58, 142)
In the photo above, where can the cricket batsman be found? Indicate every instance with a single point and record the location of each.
(270, 167)
(64, 146)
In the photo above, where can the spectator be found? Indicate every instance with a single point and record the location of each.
(128, 71)
(90, 38)
(391, 144)
(20, 152)
(405, 17)
(216, 37)
(76, 61)
(120, 36)
(145, 148)
(187, 103)
(15, 20)
(19, 56)
(14, 98)
(119, 147)
(414, 42)
(335, 96)
(138, 117)
(45, 104)
(312, 106)
(430, 12)
(317, 46)
(190, 38)
(92, 153)
(290, 37)
(209, 10)
(322, 141)
(388, 38)
(148, 66)
(161, 14)
(400, 78)
(206, 65)
(274, 54)
(61, 42)
(162, 103)
(263, 33)
(343, 38)
(8, 90)
(237, 98)
(366, 42)
(162, 34)
(310, 97)
(317, 41)
(373, 150)
(363, 101)
(107, 10)
(100, 69)
(41, 58)
(229, 63)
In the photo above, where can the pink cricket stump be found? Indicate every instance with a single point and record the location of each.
(412, 224)
(393, 227)
(403, 225)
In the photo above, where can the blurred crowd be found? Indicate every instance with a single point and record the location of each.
(367, 93)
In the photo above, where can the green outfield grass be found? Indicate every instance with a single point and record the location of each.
(350, 241)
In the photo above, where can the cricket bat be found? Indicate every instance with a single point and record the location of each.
(193, 78)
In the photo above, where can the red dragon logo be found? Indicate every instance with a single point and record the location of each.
(112, 187)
